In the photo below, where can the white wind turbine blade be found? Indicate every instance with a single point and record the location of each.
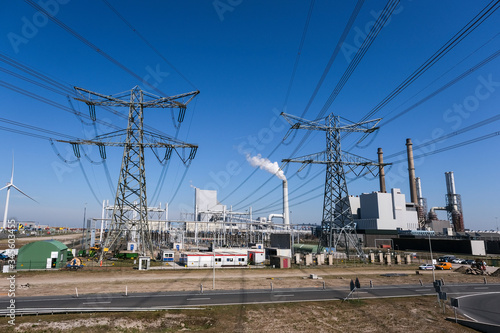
(12, 174)
(5, 187)
(14, 186)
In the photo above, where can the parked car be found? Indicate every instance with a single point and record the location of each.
(426, 267)
(443, 265)
(467, 262)
(457, 260)
(446, 258)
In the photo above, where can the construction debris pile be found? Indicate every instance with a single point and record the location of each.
(472, 271)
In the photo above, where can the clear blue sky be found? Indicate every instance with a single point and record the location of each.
(240, 54)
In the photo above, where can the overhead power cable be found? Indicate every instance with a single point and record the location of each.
(368, 41)
(348, 27)
(37, 129)
(52, 103)
(458, 145)
(299, 52)
(455, 146)
(91, 45)
(441, 52)
(151, 46)
(444, 87)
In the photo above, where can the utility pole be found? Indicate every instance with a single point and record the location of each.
(337, 221)
(130, 209)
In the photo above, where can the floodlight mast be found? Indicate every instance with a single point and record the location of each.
(130, 210)
(337, 215)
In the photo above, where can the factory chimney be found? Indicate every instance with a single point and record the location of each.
(454, 203)
(381, 171)
(273, 167)
(286, 212)
(411, 172)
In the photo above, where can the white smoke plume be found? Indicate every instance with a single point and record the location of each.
(265, 164)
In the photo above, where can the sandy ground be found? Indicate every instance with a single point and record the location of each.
(116, 280)
(20, 241)
(376, 315)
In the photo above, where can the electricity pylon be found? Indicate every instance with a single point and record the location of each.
(130, 217)
(337, 218)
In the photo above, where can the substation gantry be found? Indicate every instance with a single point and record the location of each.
(337, 224)
(130, 215)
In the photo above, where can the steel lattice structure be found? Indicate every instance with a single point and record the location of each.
(130, 216)
(337, 221)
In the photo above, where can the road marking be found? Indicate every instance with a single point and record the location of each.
(197, 299)
(422, 289)
(96, 302)
(481, 288)
(283, 295)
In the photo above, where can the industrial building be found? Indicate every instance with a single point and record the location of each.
(386, 211)
(42, 255)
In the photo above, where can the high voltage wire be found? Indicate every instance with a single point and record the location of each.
(458, 37)
(60, 89)
(299, 52)
(155, 50)
(441, 138)
(437, 151)
(458, 145)
(450, 83)
(90, 44)
(449, 45)
(336, 51)
(368, 41)
(318, 85)
(35, 128)
(441, 89)
(52, 103)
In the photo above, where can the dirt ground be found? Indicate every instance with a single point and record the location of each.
(375, 315)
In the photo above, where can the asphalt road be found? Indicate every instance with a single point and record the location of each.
(148, 301)
(484, 307)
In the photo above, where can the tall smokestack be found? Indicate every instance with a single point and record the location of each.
(418, 184)
(286, 217)
(411, 172)
(381, 172)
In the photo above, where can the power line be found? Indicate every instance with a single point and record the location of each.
(450, 83)
(341, 40)
(299, 52)
(441, 52)
(90, 44)
(155, 50)
(368, 41)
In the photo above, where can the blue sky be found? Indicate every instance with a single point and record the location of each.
(240, 54)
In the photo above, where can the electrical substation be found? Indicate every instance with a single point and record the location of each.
(350, 227)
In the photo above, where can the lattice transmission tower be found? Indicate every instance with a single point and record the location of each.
(337, 224)
(130, 216)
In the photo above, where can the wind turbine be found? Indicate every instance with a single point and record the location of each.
(8, 187)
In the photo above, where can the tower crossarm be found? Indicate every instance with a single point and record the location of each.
(322, 158)
(343, 125)
(122, 99)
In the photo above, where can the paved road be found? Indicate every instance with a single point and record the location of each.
(146, 301)
(484, 307)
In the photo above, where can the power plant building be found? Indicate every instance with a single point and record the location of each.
(384, 211)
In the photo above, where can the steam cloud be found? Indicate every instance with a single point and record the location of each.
(265, 164)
